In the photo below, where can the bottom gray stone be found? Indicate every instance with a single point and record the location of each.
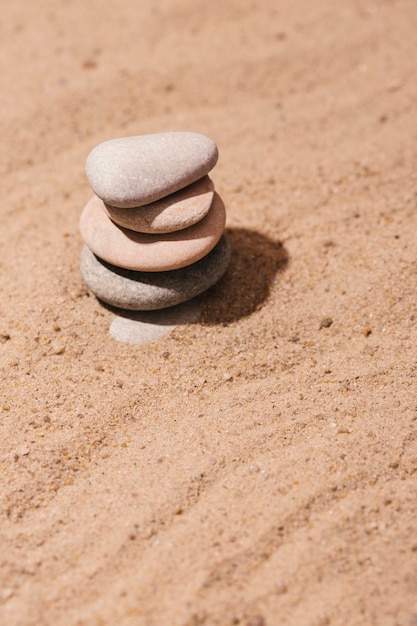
(149, 291)
(144, 326)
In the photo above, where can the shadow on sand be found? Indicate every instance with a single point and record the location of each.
(255, 261)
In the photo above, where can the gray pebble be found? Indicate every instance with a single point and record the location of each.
(134, 171)
(146, 291)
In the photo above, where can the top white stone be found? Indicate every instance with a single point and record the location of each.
(134, 171)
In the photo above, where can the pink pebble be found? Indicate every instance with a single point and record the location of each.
(150, 253)
(174, 212)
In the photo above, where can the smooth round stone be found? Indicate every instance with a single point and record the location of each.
(175, 212)
(147, 291)
(150, 253)
(133, 171)
(144, 326)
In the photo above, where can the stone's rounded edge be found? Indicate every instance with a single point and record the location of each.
(150, 253)
(178, 211)
(128, 172)
(147, 291)
(138, 327)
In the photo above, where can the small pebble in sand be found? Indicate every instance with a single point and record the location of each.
(58, 347)
(23, 451)
(326, 322)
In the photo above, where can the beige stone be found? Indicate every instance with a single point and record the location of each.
(150, 253)
(174, 212)
(134, 171)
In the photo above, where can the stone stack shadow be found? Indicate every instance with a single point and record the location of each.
(256, 262)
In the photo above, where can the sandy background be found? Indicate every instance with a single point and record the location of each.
(257, 468)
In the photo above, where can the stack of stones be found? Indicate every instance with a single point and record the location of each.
(154, 230)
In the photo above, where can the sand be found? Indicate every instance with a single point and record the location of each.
(258, 467)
